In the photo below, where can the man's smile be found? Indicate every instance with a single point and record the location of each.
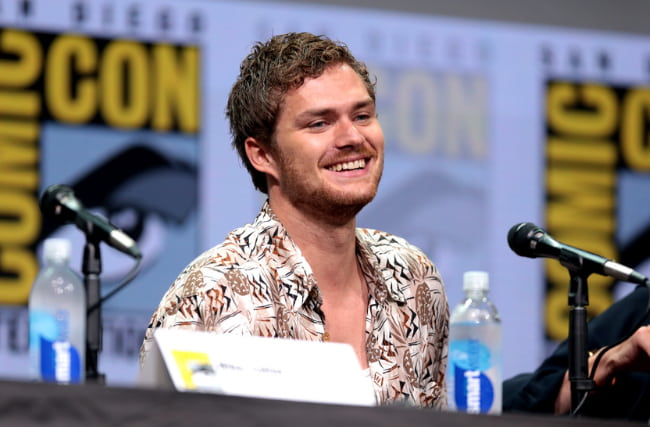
(346, 166)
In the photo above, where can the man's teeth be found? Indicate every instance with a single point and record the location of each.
(357, 164)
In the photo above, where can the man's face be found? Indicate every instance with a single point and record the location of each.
(328, 146)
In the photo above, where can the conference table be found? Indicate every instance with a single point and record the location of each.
(26, 403)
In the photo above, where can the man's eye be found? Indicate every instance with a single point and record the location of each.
(316, 125)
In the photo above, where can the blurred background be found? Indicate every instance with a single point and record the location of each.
(494, 112)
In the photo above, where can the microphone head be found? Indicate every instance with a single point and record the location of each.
(520, 237)
(55, 202)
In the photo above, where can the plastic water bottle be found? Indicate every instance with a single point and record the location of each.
(474, 364)
(57, 318)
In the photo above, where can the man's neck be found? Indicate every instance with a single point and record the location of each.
(328, 246)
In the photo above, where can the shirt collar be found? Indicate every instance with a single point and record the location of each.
(294, 274)
(379, 273)
(297, 277)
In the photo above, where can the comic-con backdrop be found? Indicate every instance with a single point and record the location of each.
(487, 125)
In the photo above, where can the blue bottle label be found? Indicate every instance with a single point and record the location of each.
(59, 362)
(473, 388)
(57, 359)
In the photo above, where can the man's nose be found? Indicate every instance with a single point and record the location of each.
(348, 134)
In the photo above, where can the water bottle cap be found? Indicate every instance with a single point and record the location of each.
(56, 249)
(476, 281)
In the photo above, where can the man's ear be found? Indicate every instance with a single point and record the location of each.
(259, 154)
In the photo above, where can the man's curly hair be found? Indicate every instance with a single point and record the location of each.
(271, 69)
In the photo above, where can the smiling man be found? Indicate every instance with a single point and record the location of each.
(303, 119)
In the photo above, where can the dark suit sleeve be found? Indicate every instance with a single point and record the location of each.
(536, 392)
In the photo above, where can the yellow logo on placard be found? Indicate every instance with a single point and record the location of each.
(188, 364)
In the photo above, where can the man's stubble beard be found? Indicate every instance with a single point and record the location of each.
(321, 202)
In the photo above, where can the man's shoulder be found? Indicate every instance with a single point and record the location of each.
(240, 244)
(387, 245)
(376, 238)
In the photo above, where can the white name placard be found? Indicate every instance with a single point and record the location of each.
(257, 367)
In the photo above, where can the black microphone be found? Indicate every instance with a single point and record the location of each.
(527, 239)
(60, 202)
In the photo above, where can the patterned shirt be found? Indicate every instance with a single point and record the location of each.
(258, 283)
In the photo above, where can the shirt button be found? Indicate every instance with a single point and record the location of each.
(326, 336)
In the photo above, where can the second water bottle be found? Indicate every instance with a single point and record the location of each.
(474, 364)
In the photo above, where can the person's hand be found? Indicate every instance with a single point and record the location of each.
(632, 354)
